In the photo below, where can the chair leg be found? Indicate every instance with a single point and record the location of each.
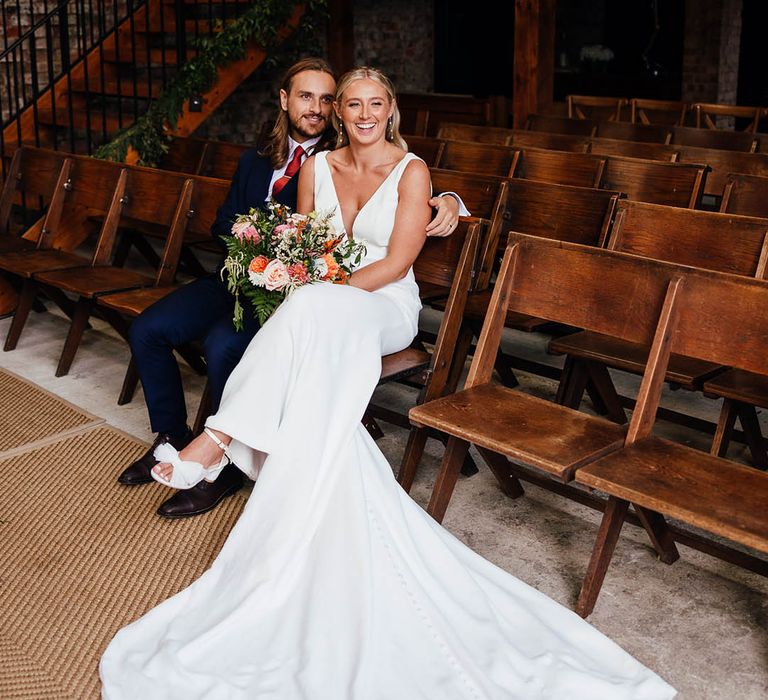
(751, 425)
(725, 424)
(76, 329)
(370, 424)
(130, 381)
(26, 299)
(203, 411)
(446, 479)
(658, 532)
(506, 373)
(600, 380)
(607, 536)
(499, 465)
(573, 381)
(414, 449)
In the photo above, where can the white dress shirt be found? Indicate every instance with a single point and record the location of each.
(308, 145)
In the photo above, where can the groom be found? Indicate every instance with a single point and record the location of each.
(202, 310)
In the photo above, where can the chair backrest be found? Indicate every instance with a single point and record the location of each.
(483, 158)
(746, 195)
(422, 114)
(560, 125)
(29, 184)
(709, 138)
(480, 193)
(666, 112)
(428, 148)
(723, 320)
(470, 132)
(594, 107)
(674, 184)
(439, 258)
(185, 155)
(520, 138)
(706, 115)
(560, 167)
(634, 132)
(712, 241)
(220, 159)
(586, 287)
(208, 195)
(722, 163)
(634, 149)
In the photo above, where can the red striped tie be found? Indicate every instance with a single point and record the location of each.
(290, 171)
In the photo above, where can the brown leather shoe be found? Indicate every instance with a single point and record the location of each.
(203, 497)
(138, 472)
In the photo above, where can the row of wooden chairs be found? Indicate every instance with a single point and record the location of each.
(668, 112)
(721, 162)
(172, 206)
(675, 135)
(660, 182)
(711, 316)
(716, 241)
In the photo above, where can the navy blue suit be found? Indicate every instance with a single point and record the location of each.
(201, 310)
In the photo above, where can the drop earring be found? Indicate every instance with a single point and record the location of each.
(340, 136)
(390, 130)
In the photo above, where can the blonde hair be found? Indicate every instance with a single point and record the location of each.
(366, 72)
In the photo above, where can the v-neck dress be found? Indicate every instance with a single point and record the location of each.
(373, 226)
(334, 584)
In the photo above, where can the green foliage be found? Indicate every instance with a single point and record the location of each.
(150, 135)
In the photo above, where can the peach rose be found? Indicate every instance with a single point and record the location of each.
(275, 275)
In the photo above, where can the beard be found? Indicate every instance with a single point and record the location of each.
(308, 129)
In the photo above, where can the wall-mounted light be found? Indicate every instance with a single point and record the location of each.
(196, 103)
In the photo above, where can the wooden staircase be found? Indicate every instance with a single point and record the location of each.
(116, 81)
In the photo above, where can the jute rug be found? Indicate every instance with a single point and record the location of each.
(30, 414)
(81, 556)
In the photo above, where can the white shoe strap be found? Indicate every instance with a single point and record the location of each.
(215, 438)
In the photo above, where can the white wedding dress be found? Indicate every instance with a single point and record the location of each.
(334, 584)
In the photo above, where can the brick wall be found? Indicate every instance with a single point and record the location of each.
(711, 51)
(395, 36)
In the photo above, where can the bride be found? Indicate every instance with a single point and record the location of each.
(334, 584)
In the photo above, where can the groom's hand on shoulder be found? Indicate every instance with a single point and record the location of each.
(446, 217)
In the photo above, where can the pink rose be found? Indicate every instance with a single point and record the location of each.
(245, 230)
(275, 275)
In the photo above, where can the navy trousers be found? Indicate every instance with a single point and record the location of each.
(201, 310)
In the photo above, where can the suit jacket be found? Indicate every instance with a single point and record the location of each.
(249, 187)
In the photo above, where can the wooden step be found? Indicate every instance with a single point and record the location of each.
(123, 88)
(156, 56)
(80, 119)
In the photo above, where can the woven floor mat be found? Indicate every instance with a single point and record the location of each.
(29, 414)
(82, 556)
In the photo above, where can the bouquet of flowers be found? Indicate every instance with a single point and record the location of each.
(271, 253)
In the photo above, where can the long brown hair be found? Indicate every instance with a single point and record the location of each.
(392, 131)
(276, 148)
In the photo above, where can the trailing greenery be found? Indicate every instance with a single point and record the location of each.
(150, 134)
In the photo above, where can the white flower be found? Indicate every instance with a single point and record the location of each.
(320, 267)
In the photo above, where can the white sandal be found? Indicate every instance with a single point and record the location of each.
(187, 474)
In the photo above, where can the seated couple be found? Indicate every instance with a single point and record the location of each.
(334, 584)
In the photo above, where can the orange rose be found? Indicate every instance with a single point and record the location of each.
(258, 264)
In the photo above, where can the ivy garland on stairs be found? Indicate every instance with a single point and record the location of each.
(149, 135)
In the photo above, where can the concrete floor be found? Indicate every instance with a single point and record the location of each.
(700, 623)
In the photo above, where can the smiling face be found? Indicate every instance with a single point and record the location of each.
(309, 103)
(364, 109)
